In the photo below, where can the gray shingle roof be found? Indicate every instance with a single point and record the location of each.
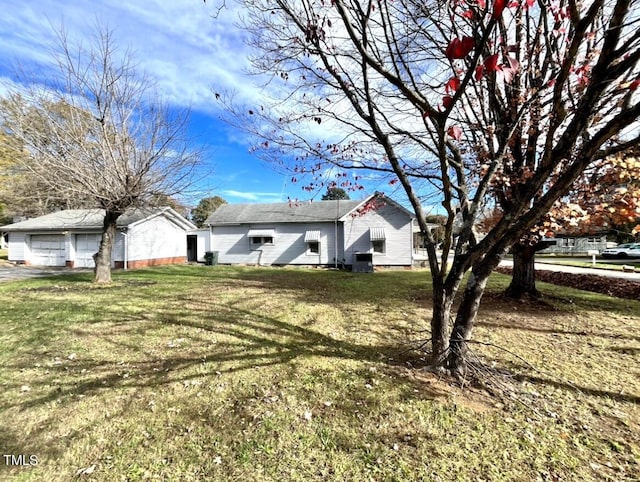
(294, 212)
(79, 219)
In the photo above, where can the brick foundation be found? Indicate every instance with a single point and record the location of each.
(69, 263)
(143, 263)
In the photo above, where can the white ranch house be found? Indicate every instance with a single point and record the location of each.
(146, 237)
(580, 245)
(320, 233)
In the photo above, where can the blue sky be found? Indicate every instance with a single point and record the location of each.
(189, 53)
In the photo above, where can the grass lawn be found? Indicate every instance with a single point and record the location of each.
(251, 374)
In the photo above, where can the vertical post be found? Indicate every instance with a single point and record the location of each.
(335, 236)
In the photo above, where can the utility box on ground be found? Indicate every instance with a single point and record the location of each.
(362, 263)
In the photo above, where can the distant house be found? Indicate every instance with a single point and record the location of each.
(145, 237)
(323, 233)
(569, 245)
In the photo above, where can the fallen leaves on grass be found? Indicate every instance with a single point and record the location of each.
(620, 288)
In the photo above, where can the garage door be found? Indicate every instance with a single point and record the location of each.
(47, 249)
(86, 246)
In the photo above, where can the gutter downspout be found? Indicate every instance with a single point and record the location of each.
(335, 234)
(126, 250)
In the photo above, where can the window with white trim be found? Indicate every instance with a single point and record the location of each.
(313, 247)
(261, 237)
(312, 241)
(378, 240)
(378, 246)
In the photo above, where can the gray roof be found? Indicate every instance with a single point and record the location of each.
(74, 219)
(293, 212)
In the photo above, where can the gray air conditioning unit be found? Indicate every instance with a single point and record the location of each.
(362, 263)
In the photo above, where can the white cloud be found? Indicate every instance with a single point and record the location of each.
(254, 196)
(178, 43)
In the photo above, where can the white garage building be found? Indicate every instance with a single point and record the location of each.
(145, 237)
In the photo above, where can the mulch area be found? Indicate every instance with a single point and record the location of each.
(619, 288)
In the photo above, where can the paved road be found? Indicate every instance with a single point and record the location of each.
(574, 269)
(19, 272)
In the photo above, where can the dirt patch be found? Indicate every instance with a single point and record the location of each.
(619, 288)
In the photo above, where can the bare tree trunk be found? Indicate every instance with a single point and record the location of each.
(441, 316)
(523, 278)
(102, 259)
(465, 318)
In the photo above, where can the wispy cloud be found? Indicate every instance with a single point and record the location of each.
(178, 43)
(253, 196)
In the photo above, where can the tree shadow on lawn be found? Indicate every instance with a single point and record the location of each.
(524, 375)
(246, 340)
(493, 323)
(219, 339)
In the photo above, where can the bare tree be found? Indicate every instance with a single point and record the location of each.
(98, 131)
(464, 104)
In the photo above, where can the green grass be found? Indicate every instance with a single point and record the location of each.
(4, 254)
(231, 373)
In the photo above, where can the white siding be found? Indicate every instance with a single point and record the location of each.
(17, 247)
(234, 246)
(156, 238)
(203, 241)
(398, 233)
(118, 249)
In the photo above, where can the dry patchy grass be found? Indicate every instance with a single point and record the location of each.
(196, 373)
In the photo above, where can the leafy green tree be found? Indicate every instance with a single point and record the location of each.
(205, 207)
(335, 193)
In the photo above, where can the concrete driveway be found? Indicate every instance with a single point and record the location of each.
(10, 272)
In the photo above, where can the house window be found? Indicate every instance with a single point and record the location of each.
(312, 240)
(378, 240)
(261, 237)
(569, 242)
(593, 240)
(313, 247)
(260, 240)
(378, 246)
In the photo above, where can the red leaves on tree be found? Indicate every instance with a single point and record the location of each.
(460, 48)
(491, 63)
(452, 85)
(455, 132)
(505, 72)
(447, 101)
(635, 84)
(498, 8)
